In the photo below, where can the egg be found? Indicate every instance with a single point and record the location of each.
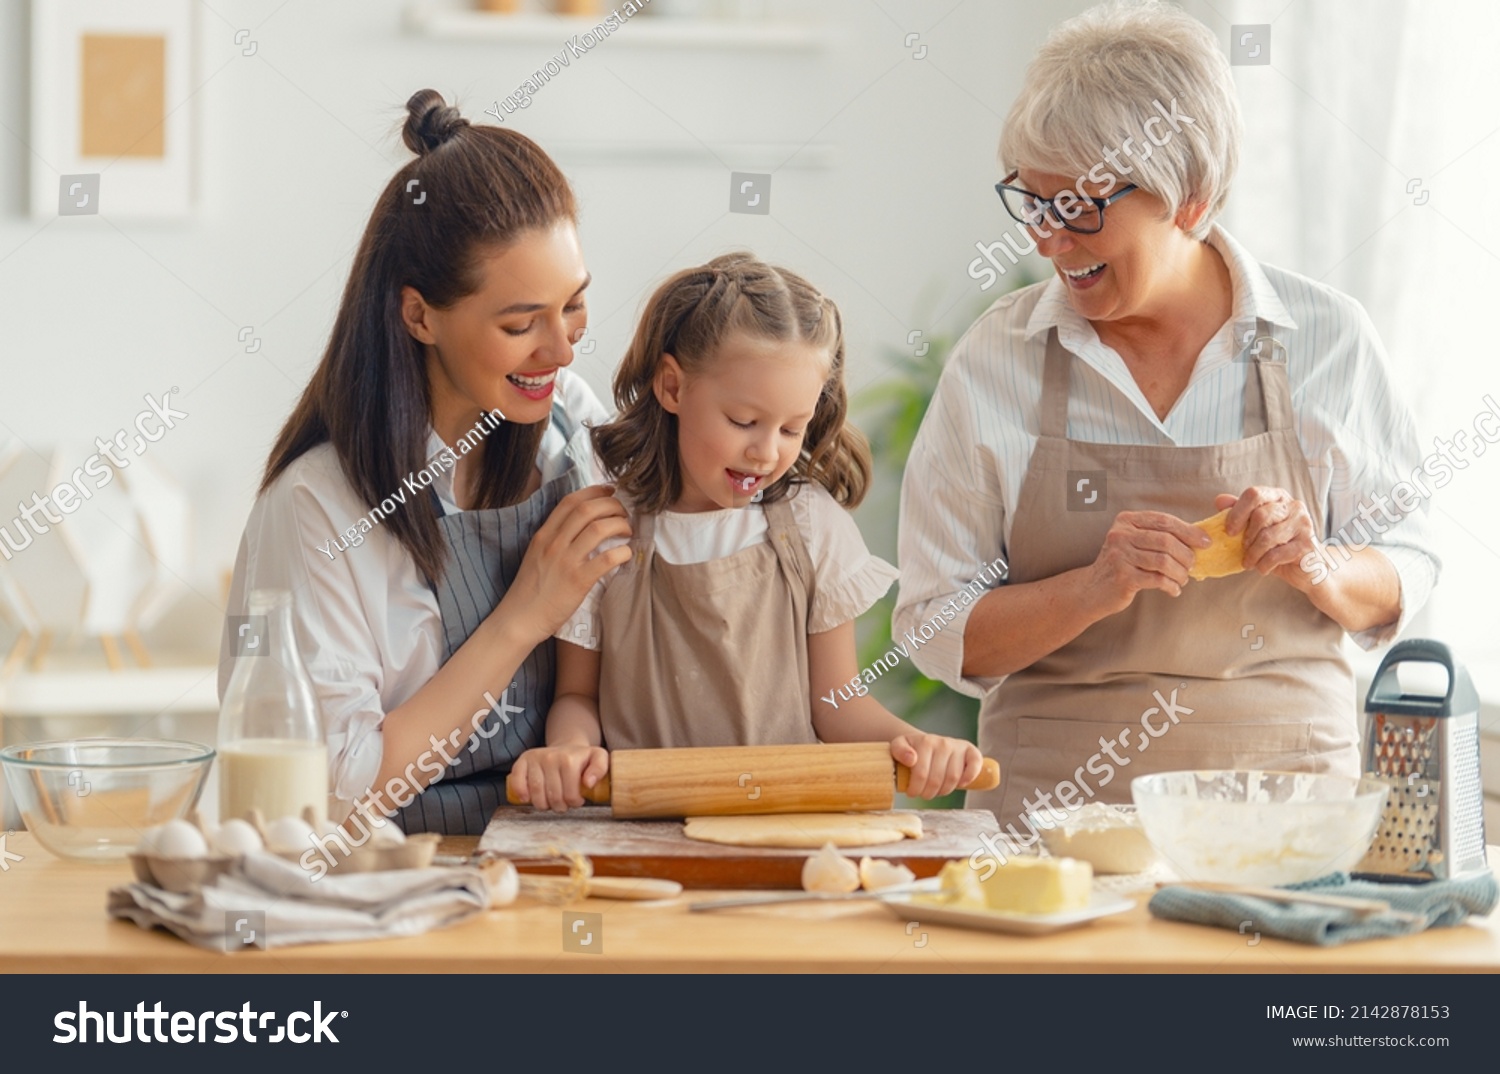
(236, 838)
(147, 844)
(289, 835)
(387, 835)
(179, 839)
(503, 881)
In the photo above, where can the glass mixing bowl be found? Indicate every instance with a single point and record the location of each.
(1261, 828)
(91, 798)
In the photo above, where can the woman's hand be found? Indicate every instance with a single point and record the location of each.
(939, 765)
(1279, 533)
(1144, 550)
(556, 572)
(549, 777)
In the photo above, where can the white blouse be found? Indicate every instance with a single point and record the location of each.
(963, 478)
(367, 624)
(849, 578)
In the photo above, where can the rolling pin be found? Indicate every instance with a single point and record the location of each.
(724, 780)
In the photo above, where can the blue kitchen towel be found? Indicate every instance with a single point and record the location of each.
(1442, 903)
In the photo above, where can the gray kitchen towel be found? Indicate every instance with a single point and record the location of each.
(266, 902)
(1440, 904)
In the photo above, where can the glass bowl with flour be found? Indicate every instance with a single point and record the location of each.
(1255, 827)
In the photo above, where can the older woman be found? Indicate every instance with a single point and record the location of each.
(1083, 424)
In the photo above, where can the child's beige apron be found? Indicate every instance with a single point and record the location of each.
(708, 654)
(1258, 665)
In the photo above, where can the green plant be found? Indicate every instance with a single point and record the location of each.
(890, 412)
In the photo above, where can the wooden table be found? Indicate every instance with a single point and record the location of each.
(52, 919)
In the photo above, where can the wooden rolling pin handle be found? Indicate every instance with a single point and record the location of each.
(598, 794)
(988, 778)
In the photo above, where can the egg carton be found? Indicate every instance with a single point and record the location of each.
(189, 875)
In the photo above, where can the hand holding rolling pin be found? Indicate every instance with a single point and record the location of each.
(939, 765)
(556, 777)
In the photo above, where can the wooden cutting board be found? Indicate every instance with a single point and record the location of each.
(658, 848)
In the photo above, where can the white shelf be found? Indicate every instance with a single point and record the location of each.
(644, 30)
(740, 157)
(103, 692)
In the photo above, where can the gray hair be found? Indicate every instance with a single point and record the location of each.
(1097, 82)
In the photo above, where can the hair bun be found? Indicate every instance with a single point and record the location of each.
(430, 121)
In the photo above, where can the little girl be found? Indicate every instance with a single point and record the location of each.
(737, 606)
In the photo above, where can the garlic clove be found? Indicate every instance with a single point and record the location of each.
(877, 873)
(829, 873)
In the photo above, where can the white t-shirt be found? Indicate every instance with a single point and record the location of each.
(369, 627)
(849, 578)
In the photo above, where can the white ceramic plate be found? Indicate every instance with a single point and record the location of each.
(1101, 904)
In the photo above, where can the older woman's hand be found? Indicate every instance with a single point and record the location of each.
(1279, 532)
(1144, 550)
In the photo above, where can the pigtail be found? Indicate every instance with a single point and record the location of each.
(638, 450)
(836, 455)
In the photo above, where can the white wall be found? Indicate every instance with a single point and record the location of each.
(297, 140)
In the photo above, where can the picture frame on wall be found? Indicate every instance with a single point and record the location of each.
(112, 128)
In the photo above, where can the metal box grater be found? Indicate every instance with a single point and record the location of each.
(1427, 750)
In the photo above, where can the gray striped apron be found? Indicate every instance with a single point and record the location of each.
(485, 549)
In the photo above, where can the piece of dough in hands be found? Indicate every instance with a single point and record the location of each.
(803, 830)
(1224, 557)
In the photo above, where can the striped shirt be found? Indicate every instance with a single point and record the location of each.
(964, 476)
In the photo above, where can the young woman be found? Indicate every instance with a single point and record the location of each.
(426, 502)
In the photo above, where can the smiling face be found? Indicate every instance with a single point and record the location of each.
(500, 347)
(1137, 256)
(742, 419)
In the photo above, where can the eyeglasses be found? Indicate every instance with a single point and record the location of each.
(1066, 210)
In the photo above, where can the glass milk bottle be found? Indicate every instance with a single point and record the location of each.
(272, 754)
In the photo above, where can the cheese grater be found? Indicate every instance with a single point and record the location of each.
(1427, 750)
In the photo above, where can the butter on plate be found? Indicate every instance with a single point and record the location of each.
(1019, 886)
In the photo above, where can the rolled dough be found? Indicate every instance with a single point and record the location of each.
(806, 829)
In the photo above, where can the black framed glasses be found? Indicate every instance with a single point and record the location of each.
(1066, 210)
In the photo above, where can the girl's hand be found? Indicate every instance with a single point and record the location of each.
(1144, 550)
(556, 572)
(548, 777)
(939, 765)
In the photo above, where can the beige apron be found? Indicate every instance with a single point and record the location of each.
(708, 654)
(1260, 668)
